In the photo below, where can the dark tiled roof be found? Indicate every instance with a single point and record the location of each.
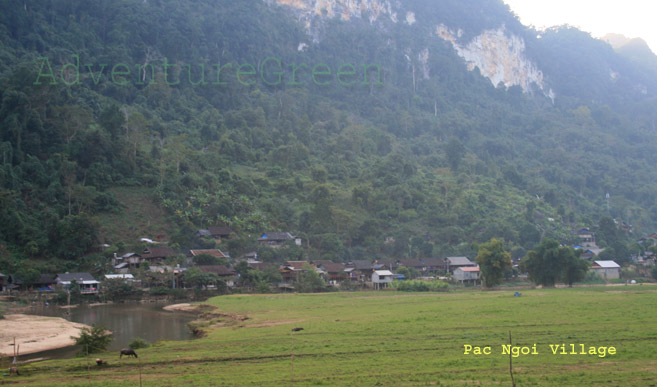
(218, 269)
(158, 252)
(411, 263)
(46, 279)
(362, 264)
(332, 267)
(460, 261)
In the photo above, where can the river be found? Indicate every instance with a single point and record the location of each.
(126, 321)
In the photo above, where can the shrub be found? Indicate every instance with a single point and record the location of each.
(420, 286)
(94, 339)
(138, 342)
(117, 289)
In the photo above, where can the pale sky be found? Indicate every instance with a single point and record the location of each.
(632, 18)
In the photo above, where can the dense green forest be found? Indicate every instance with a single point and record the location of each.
(204, 107)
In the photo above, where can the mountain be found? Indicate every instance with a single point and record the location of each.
(370, 128)
(636, 50)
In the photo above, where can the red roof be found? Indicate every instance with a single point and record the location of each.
(468, 268)
(333, 267)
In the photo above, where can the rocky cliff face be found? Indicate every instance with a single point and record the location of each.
(499, 57)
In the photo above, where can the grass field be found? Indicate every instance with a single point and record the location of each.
(394, 339)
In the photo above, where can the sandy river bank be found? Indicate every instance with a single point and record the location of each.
(36, 333)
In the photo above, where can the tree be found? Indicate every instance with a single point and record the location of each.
(455, 151)
(548, 261)
(117, 289)
(71, 120)
(574, 267)
(207, 259)
(197, 278)
(408, 272)
(310, 281)
(94, 339)
(493, 261)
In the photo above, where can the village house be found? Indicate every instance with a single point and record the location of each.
(334, 272)
(87, 283)
(277, 239)
(216, 233)
(45, 282)
(226, 274)
(291, 270)
(362, 270)
(126, 262)
(606, 269)
(414, 263)
(211, 252)
(156, 255)
(467, 274)
(452, 263)
(589, 252)
(387, 264)
(381, 278)
(586, 237)
(433, 265)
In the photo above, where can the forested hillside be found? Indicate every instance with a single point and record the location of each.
(370, 150)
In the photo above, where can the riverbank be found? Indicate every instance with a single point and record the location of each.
(185, 307)
(36, 333)
(398, 337)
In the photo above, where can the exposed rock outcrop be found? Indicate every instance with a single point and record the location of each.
(499, 56)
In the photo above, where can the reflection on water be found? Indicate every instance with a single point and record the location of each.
(126, 321)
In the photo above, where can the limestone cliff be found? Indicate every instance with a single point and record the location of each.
(499, 56)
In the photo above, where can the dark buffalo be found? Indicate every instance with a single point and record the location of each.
(128, 352)
(297, 329)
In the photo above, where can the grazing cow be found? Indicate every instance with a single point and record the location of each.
(297, 329)
(128, 352)
(14, 370)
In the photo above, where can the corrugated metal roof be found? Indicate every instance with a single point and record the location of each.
(383, 272)
(607, 264)
(460, 261)
(121, 276)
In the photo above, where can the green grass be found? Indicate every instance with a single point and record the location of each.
(396, 339)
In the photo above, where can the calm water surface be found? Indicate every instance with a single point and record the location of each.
(126, 321)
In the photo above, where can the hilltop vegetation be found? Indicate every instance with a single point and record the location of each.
(430, 166)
